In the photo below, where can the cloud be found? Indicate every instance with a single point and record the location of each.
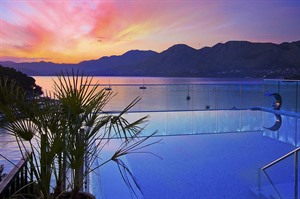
(75, 30)
(23, 59)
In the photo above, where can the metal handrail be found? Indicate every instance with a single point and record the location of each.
(17, 180)
(280, 159)
(263, 169)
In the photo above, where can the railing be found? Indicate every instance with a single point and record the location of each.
(263, 170)
(18, 181)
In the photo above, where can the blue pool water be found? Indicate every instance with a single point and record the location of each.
(194, 166)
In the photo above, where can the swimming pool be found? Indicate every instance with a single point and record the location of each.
(205, 154)
(193, 166)
(215, 148)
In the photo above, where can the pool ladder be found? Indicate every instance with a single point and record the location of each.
(296, 173)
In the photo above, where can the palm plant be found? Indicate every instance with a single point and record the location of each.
(62, 133)
(37, 131)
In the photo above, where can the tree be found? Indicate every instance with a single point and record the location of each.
(63, 132)
(22, 80)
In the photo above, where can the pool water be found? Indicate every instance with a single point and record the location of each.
(193, 166)
(203, 154)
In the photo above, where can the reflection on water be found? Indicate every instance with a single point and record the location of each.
(46, 82)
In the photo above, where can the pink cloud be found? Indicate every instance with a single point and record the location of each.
(71, 30)
(23, 59)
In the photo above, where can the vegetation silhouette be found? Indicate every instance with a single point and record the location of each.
(68, 128)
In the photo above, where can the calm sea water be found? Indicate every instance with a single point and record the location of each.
(46, 82)
(172, 93)
(167, 99)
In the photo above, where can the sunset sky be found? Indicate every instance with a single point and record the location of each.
(70, 31)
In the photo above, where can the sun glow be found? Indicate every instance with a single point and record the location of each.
(70, 31)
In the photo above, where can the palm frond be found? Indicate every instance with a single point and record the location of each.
(128, 177)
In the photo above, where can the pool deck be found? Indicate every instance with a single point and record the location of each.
(194, 167)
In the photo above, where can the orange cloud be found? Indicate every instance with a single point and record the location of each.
(71, 31)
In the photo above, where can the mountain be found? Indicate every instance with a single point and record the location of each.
(111, 65)
(170, 62)
(102, 66)
(22, 80)
(239, 58)
(40, 68)
(231, 59)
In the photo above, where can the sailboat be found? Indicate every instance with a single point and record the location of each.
(188, 97)
(143, 87)
(109, 87)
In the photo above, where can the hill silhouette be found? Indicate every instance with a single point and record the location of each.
(22, 80)
(231, 59)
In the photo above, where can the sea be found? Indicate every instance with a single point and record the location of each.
(46, 82)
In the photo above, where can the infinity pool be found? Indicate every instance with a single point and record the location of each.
(193, 166)
(203, 154)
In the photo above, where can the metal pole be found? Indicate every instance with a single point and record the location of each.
(216, 104)
(296, 175)
(241, 100)
(259, 179)
(296, 110)
(79, 143)
(241, 106)
(43, 157)
(86, 167)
